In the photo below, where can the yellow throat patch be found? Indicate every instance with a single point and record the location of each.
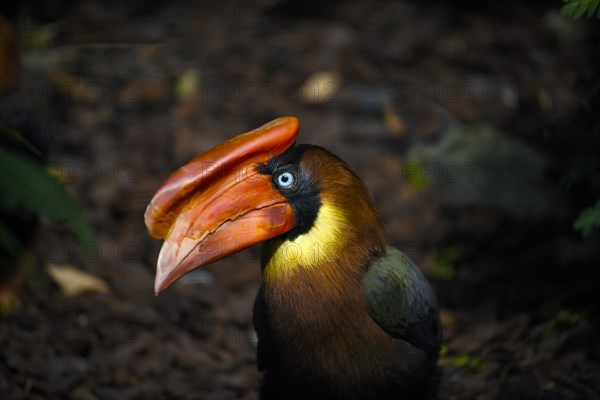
(320, 244)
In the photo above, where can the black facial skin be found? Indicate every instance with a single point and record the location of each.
(303, 195)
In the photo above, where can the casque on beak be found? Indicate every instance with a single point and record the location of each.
(219, 204)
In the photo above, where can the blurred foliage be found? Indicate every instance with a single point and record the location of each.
(576, 139)
(472, 364)
(414, 175)
(563, 321)
(40, 38)
(588, 220)
(29, 189)
(16, 137)
(187, 84)
(468, 363)
(443, 264)
(575, 9)
(444, 350)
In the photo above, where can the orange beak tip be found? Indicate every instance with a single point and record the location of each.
(219, 204)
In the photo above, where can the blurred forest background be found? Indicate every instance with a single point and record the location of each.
(475, 126)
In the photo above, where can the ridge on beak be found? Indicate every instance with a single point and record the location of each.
(219, 203)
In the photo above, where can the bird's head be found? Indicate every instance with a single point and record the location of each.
(261, 186)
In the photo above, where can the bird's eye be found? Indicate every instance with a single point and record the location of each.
(286, 179)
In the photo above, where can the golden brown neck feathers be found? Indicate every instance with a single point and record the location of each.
(313, 283)
(346, 192)
(347, 232)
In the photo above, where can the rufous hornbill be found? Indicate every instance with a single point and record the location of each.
(340, 314)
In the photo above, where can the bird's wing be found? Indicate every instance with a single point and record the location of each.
(401, 302)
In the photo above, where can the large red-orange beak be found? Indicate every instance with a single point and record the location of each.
(219, 204)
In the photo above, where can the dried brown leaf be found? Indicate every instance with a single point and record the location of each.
(73, 281)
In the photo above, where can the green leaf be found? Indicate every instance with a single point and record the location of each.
(16, 136)
(592, 8)
(580, 10)
(575, 9)
(28, 188)
(588, 220)
(569, 9)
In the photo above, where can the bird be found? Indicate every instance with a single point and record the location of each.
(341, 314)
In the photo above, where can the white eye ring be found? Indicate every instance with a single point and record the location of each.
(286, 180)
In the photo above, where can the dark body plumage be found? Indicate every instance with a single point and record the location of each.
(362, 322)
